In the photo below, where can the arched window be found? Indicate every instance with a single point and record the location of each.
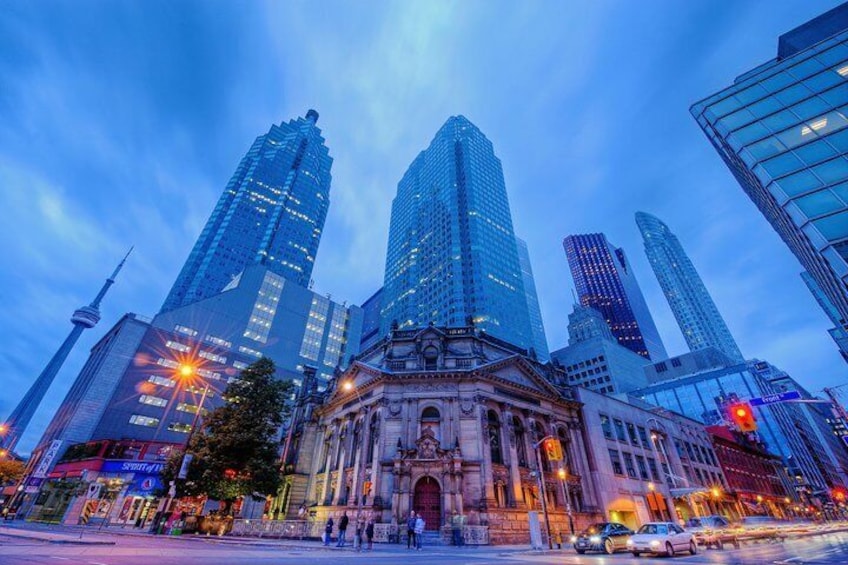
(537, 435)
(562, 435)
(431, 358)
(356, 444)
(430, 418)
(374, 432)
(493, 429)
(520, 442)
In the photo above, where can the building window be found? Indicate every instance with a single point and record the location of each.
(240, 365)
(152, 400)
(190, 408)
(652, 465)
(430, 418)
(212, 356)
(615, 460)
(186, 331)
(606, 425)
(631, 432)
(675, 362)
(221, 342)
(619, 430)
(643, 470)
(494, 431)
(520, 444)
(161, 381)
(140, 420)
(643, 435)
(181, 347)
(660, 367)
(628, 462)
(179, 427)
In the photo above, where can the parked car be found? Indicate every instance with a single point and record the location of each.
(608, 537)
(664, 538)
(712, 531)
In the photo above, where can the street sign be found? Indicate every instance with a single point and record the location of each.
(45, 464)
(787, 396)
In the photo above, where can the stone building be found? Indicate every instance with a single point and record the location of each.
(436, 420)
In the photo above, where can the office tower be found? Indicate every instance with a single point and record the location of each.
(781, 129)
(594, 359)
(839, 331)
(537, 327)
(131, 387)
(452, 253)
(271, 213)
(693, 308)
(605, 281)
(84, 318)
(371, 320)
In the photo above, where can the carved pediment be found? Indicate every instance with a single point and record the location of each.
(427, 446)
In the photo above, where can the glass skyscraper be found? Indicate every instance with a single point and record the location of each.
(694, 309)
(271, 213)
(781, 129)
(537, 327)
(605, 281)
(452, 253)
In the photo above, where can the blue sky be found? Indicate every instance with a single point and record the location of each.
(121, 122)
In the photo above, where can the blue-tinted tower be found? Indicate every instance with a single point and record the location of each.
(605, 281)
(691, 303)
(452, 254)
(271, 213)
(537, 327)
(782, 129)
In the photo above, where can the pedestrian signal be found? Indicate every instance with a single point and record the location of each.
(553, 449)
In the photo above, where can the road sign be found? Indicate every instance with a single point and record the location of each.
(787, 396)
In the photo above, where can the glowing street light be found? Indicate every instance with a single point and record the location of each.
(357, 540)
(3, 428)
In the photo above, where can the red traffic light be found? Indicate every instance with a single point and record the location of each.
(743, 416)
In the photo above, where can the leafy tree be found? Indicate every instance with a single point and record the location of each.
(11, 471)
(236, 452)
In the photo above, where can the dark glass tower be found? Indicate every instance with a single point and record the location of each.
(452, 252)
(693, 307)
(605, 281)
(782, 129)
(272, 213)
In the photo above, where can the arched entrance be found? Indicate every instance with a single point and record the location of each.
(427, 501)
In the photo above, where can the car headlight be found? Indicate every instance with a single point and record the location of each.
(595, 539)
(629, 542)
(654, 543)
(573, 539)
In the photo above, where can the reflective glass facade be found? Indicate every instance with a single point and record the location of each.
(693, 307)
(781, 129)
(271, 213)
(537, 327)
(452, 252)
(605, 281)
(699, 396)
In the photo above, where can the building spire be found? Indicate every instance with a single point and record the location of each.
(82, 319)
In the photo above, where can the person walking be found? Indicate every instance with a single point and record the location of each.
(328, 531)
(457, 521)
(369, 533)
(410, 530)
(342, 529)
(360, 531)
(419, 531)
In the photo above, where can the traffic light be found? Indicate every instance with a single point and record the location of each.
(742, 415)
(553, 449)
(366, 488)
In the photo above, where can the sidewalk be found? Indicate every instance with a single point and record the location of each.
(51, 537)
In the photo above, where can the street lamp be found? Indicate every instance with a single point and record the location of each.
(563, 476)
(543, 489)
(674, 477)
(357, 539)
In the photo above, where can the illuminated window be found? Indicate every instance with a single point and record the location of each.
(139, 420)
(161, 381)
(181, 347)
(179, 427)
(152, 400)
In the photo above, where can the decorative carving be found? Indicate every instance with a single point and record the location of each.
(466, 405)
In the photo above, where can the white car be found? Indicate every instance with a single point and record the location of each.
(664, 538)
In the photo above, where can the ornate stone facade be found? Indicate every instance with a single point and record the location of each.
(437, 420)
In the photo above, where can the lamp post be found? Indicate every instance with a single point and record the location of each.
(674, 477)
(542, 489)
(186, 371)
(563, 476)
(357, 539)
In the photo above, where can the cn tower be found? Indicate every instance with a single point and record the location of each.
(82, 319)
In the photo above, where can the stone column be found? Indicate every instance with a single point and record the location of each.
(514, 474)
(487, 478)
(332, 448)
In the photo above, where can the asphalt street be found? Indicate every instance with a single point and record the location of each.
(131, 550)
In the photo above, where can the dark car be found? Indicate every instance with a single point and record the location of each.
(608, 537)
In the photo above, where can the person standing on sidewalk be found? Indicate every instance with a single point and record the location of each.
(342, 529)
(419, 531)
(457, 521)
(328, 531)
(369, 532)
(410, 530)
(360, 531)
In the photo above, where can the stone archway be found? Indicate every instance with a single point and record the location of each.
(427, 501)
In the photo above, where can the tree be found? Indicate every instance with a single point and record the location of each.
(236, 452)
(11, 471)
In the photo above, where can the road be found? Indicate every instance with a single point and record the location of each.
(132, 550)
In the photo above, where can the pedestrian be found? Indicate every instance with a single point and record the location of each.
(419, 531)
(369, 533)
(328, 530)
(342, 529)
(457, 521)
(360, 527)
(410, 530)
